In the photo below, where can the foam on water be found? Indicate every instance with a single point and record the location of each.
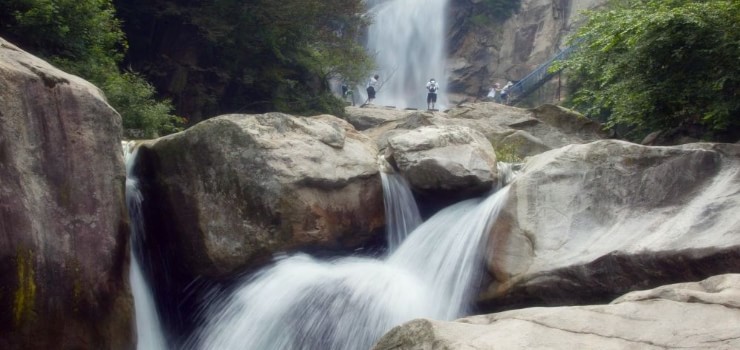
(148, 326)
(348, 303)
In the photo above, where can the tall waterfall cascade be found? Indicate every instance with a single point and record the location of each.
(408, 40)
(148, 326)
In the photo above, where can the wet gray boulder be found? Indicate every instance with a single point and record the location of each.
(64, 253)
(446, 158)
(586, 223)
(233, 190)
(363, 118)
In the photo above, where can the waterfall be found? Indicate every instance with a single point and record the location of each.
(348, 303)
(507, 172)
(401, 213)
(148, 328)
(408, 39)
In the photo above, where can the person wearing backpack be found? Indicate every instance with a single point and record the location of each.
(432, 87)
(371, 85)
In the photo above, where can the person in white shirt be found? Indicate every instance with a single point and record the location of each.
(505, 92)
(371, 85)
(496, 91)
(432, 87)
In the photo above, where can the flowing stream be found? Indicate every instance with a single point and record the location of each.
(408, 39)
(431, 269)
(148, 328)
(348, 303)
(401, 213)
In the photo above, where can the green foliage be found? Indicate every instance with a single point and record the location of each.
(134, 96)
(84, 37)
(651, 65)
(250, 56)
(65, 28)
(508, 153)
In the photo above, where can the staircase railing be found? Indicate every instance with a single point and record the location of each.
(535, 79)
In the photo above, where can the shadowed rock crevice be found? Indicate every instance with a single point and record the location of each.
(610, 276)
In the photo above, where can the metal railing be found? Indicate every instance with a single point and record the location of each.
(535, 79)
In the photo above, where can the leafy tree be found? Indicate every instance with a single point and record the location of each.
(229, 56)
(84, 37)
(653, 65)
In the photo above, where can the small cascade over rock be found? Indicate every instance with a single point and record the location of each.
(408, 38)
(348, 303)
(401, 212)
(148, 327)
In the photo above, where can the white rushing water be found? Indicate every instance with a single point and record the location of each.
(401, 213)
(408, 39)
(148, 328)
(348, 303)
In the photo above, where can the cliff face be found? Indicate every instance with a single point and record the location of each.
(509, 50)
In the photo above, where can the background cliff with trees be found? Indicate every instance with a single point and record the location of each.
(205, 58)
(255, 56)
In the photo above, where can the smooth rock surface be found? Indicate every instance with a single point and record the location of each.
(585, 223)
(497, 52)
(64, 251)
(450, 158)
(697, 315)
(237, 188)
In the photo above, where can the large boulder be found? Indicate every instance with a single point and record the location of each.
(64, 250)
(703, 315)
(225, 196)
(370, 116)
(237, 188)
(450, 158)
(586, 223)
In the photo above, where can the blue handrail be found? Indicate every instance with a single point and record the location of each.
(536, 78)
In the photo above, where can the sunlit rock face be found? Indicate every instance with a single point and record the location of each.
(449, 158)
(64, 247)
(589, 222)
(502, 51)
(236, 188)
(695, 315)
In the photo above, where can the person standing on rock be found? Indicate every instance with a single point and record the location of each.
(371, 85)
(491, 94)
(505, 93)
(432, 87)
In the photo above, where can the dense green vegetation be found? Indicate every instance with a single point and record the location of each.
(207, 57)
(83, 37)
(649, 65)
(226, 56)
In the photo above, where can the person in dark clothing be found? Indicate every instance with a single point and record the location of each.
(432, 88)
(371, 86)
